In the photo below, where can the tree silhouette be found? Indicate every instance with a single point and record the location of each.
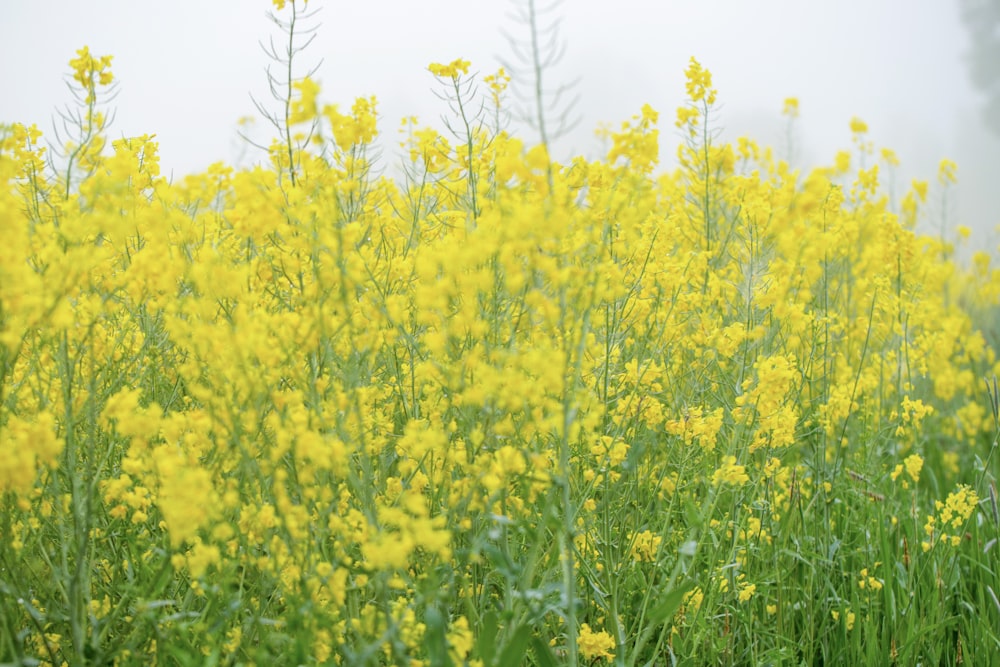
(982, 20)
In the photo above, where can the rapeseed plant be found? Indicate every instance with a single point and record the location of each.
(502, 411)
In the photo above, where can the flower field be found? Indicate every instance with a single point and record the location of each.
(498, 410)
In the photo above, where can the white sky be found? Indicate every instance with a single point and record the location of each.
(186, 68)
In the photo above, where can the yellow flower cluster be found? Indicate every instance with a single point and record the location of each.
(89, 71)
(27, 445)
(791, 108)
(453, 70)
(645, 546)
(952, 514)
(595, 645)
(912, 465)
(303, 107)
(730, 472)
(699, 83)
(868, 581)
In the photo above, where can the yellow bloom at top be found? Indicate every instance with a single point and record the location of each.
(450, 71)
(280, 4)
(649, 114)
(890, 157)
(946, 172)
(858, 126)
(86, 68)
(791, 107)
(356, 128)
(699, 83)
(498, 84)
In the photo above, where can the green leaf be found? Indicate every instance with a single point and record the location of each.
(668, 604)
(543, 653)
(513, 653)
(486, 642)
(436, 638)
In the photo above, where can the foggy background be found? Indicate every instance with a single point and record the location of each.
(914, 70)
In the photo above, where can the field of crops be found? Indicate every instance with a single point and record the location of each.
(499, 410)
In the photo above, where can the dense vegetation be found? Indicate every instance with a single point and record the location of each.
(498, 411)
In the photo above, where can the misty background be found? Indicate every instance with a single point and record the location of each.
(923, 74)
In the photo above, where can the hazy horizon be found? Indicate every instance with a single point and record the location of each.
(186, 70)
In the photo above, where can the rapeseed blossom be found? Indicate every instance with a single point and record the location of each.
(912, 465)
(952, 514)
(730, 472)
(450, 71)
(595, 645)
(699, 83)
(89, 71)
(645, 546)
(791, 108)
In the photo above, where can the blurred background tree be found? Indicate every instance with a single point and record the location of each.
(982, 20)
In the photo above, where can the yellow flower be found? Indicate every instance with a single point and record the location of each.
(303, 108)
(26, 445)
(645, 546)
(593, 645)
(358, 128)
(461, 640)
(699, 83)
(914, 463)
(730, 473)
(201, 557)
(869, 582)
(958, 507)
(450, 71)
(686, 116)
(498, 84)
(848, 620)
(537, 157)
(649, 114)
(858, 126)
(946, 172)
(86, 67)
(791, 107)
(280, 4)
(842, 162)
(955, 511)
